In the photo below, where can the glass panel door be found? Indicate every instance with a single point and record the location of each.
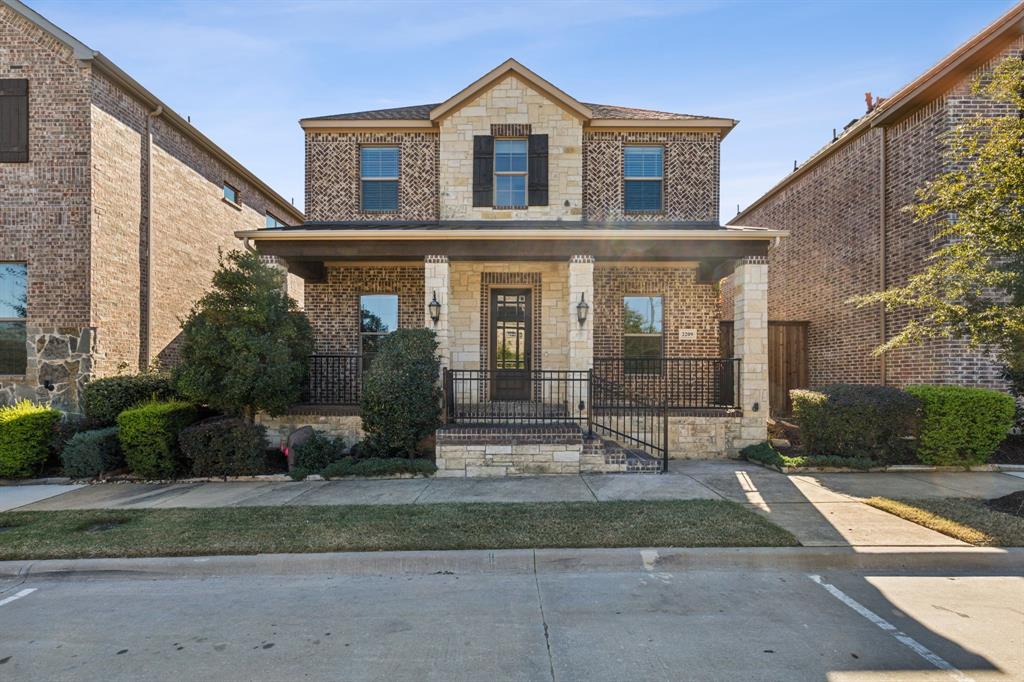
(510, 344)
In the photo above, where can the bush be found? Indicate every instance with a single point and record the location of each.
(90, 453)
(962, 426)
(149, 437)
(225, 446)
(401, 401)
(317, 452)
(847, 420)
(378, 466)
(26, 432)
(104, 399)
(769, 456)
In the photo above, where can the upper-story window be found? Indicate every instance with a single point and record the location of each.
(274, 221)
(13, 311)
(644, 168)
(378, 172)
(510, 170)
(231, 193)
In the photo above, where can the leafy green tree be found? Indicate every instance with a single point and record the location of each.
(973, 286)
(246, 345)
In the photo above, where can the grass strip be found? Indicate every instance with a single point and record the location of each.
(255, 530)
(965, 519)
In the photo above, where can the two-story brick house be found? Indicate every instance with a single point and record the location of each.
(567, 256)
(112, 210)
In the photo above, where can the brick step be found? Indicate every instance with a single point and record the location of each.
(640, 462)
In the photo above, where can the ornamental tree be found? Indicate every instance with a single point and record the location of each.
(246, 344)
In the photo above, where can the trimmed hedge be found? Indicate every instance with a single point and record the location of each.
(378, 466)
(225, 446)
(850, 420)
(149, 437)
(317, 452)
(26, 432)
(769, 456)
(104, 399)
(962, 426)
(90, 453)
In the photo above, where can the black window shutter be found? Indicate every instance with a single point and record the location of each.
(13, 120)
(537, 183)
(483, 170)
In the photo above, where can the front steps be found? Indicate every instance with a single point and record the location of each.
(608, 456)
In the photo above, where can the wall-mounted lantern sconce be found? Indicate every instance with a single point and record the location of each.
(435, 309)
(581, 310)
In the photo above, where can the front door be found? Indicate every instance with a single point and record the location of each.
(510, 344)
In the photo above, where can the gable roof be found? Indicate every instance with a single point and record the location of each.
(84, 53)
(959, 63)
(421, 112)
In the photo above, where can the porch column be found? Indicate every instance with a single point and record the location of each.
(750, 339)
(581, 337)
(435, 282)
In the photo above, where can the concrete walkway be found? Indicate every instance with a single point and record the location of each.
(819, 509)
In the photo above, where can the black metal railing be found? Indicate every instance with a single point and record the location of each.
(334, 380)
(540, 396)
(681, 383)
(632, 420)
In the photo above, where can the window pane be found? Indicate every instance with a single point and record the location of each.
(273, 221)
(378, 313)
(510, 156)
(230, 193)
(13, 354)
(13, 290)
(643, 162)
(642, 314)
(643, 195)
(380, 195)
(379, 162)
(510, 190)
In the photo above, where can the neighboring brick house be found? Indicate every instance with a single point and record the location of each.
(850, 235)
(112, 213)
(490, 218)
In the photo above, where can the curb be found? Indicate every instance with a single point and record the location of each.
(948, 559)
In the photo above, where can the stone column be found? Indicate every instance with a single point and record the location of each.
(581, 337)
(436, 281)
(750, 320)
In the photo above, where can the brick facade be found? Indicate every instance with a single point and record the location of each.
(834, 215)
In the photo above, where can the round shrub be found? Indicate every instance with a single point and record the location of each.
(401, 400)
(852, 420)
(225, 446)
(149, 437)
(26, 432)
(962, 426)
(90, 453)
(104, 399)
(317, 452)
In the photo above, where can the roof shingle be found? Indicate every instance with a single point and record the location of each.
(421, 112)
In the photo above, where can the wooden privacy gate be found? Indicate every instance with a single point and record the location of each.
(787, 360)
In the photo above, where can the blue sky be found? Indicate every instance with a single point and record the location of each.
(789, 71)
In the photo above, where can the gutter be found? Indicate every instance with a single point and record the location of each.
(146, 343)
(492, 234)
(882, 233)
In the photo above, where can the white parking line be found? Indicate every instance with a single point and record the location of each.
(24, 593)
(900, 636)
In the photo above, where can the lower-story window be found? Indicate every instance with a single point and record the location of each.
(13, 311)
(378, 317)
(642, 342)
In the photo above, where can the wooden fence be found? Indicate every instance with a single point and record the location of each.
(787, 360)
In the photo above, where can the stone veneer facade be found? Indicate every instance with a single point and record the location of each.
(75, 214)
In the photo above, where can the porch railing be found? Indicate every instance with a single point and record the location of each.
(334, 380)
(480, 396)
(679, 383)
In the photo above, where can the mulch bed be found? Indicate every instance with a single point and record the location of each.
(1011, 450)
(1012, 504)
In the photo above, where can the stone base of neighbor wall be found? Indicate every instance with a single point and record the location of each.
(718, 436)
(347, 426)
(466, 451)
(58, 357)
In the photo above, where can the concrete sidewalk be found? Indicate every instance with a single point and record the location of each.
(819, 509)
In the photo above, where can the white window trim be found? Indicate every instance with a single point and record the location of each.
(647, 178)
(497, 173)
(363, 178)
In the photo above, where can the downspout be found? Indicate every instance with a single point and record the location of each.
(882, 232)
(147, 330)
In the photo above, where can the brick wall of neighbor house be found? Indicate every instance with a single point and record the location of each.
(691, 174)
(333, 306)
(332, 175)
(44, 212)
(511, 101)
(686, 305)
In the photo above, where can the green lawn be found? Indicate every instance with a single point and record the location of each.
(253, 530)
(965, 519)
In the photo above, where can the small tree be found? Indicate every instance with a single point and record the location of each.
(246, 345)
(401, 401)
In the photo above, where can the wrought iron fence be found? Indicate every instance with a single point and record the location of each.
(334, 380)
(679, 383)
(541, 396)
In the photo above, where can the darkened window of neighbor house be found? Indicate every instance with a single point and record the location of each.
(644, 180)
(378, 173)
(13, 311)
(510, 169)
(273, 221)
(230, 193)
(378, 317)
(642, 333)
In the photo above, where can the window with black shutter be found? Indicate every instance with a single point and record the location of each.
(13, 120)
(538, 180)
(483, 170)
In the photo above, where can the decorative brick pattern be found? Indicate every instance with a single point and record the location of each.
(511, 129)
(333, 306)
(691, 189)
(333, 183)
